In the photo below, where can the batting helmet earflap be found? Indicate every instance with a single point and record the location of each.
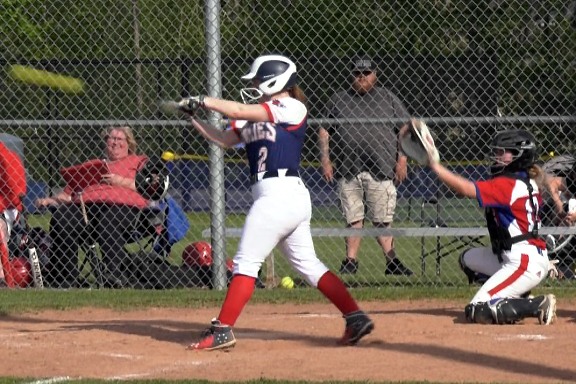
(152, 180)
(197, 254)
(21, 271)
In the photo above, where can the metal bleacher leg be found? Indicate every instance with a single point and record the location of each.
(422, 239)
(437, 222)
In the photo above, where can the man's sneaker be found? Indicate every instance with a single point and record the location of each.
(358, 325)
(218, 336)
(349, 266)
(3, 283)
(395, 267)
(547, 310)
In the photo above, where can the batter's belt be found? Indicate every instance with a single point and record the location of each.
(275, 173)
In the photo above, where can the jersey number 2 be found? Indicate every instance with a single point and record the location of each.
(262, 156)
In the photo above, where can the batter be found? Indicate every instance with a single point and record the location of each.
(273, 133)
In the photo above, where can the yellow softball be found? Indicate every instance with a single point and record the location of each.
(287, 282)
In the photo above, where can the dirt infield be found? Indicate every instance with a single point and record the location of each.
(414, 340)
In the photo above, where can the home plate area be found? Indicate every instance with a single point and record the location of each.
(417, 340)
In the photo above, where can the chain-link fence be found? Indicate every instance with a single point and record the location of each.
(469, 69)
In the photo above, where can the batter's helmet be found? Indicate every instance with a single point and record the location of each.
(274, 73)
(197, 255)
(21, 272)
(152, 181)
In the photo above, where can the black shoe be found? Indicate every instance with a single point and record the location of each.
(395, 267)
(349, 266)
(3, 283)
(258, 283)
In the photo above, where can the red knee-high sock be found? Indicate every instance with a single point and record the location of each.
(335, 291)
(239, 292)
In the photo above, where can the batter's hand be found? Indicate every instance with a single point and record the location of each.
(328, 171)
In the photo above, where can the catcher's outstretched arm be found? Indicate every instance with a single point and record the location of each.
(456, 182)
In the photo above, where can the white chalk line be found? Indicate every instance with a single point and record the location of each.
(521, 337)
(52, 380)
(175, 366)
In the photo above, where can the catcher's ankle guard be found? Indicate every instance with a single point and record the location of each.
(503, 311)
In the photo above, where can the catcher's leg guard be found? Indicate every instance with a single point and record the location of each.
(479, 313)
(509, 311)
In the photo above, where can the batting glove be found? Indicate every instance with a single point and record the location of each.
(191, 105)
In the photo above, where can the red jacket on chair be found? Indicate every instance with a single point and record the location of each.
(12, 179)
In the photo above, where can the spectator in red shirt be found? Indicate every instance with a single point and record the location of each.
(112, 206)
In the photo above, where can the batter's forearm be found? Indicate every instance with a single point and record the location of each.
(211, 133)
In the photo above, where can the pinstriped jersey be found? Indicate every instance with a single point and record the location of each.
(512, 209)
(275, 144)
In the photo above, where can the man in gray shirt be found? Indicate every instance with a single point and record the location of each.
(365, 159)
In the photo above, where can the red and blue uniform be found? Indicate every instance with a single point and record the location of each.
(277, 144)
(282, 209)
(515, 271)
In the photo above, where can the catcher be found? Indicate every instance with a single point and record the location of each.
(517, 261)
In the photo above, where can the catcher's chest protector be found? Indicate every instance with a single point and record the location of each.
(12, 179)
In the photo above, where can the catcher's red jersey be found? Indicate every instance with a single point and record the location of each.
(12, 179)
(509, 199)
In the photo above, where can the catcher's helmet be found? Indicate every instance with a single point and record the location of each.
(274, 73)
(21, 271)
(521, 144)
(197, 255)
(152, 181)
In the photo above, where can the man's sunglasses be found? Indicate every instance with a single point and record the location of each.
(363, 73)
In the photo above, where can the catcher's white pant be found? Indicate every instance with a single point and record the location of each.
(522, 269)
(280, 215)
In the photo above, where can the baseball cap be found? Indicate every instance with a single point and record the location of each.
(363, 63)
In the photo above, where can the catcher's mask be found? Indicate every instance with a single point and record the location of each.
(274, 73)
(21, 271)
(521, 144)
(152, 181)
(197, 255)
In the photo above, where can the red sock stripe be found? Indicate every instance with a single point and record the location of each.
(239, 293)
(335, 291)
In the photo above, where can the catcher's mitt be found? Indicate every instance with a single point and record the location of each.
(417, 142)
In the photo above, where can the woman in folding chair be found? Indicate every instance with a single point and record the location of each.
(100, 202)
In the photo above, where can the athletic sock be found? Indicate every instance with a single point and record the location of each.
(335, 291)
(239, 293)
